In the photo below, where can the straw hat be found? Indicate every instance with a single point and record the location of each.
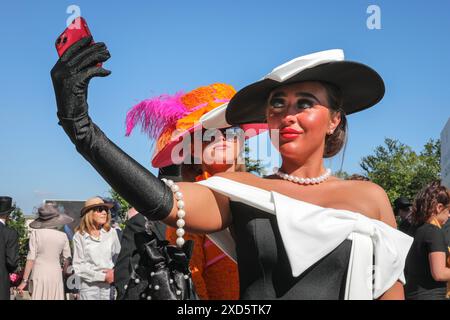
(95, 203)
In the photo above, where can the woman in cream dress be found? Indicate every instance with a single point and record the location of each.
(43, 272)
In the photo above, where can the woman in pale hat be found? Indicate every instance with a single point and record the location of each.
(96, 246)
(43, 274)
(300, 233)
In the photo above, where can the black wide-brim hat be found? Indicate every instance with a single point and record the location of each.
(361, 87)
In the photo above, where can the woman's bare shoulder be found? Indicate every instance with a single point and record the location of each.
(371, 197)
(367, 187)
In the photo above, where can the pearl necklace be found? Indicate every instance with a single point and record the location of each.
(304, 181)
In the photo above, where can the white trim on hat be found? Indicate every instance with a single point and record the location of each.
(215, 118)
(297, 65)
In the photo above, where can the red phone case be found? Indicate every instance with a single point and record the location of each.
(77, 30)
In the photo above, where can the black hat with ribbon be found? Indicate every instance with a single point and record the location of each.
(361, 86)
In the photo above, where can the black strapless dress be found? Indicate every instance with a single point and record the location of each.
(264, 269)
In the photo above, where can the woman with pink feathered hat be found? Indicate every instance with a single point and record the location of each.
(168, 120)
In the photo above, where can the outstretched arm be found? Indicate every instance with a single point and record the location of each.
(145, 192)
(206, 211)
(71, 76)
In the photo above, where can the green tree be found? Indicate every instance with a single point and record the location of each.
(341, 174)
(17, 222)
(124, 205)
(254, 166)
(399, 170)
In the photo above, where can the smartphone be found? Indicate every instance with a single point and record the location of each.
(77, 30)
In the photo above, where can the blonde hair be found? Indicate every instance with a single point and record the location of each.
(87, 223)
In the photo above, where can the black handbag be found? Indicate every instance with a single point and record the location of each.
(163, 270)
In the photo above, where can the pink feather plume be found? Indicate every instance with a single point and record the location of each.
(156, 114)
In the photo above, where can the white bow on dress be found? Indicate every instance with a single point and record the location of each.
(310, 232)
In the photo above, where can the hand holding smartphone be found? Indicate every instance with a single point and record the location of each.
(76, 31)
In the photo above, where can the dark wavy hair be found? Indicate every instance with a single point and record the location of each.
(426, 201)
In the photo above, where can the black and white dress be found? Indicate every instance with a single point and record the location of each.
(291, 249)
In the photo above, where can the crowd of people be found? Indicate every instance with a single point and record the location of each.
(287, 235)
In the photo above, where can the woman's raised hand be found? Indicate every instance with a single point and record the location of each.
(71, 76)
(72, 73)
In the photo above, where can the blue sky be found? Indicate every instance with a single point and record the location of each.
(166, 46)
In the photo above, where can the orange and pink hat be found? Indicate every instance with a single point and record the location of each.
(167, 119)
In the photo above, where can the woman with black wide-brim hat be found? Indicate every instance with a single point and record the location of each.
(299, 234)
(47, 245)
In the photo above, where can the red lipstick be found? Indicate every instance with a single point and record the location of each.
(290, 133)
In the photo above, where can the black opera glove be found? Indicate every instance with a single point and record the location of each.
(72, 73)
(71, 76)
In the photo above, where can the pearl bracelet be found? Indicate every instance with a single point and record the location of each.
(180, 213)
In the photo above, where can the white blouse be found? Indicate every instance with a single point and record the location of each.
(91, 256)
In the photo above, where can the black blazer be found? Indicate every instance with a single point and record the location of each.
(9, 258)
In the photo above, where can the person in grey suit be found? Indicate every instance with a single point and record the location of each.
(9, 248)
